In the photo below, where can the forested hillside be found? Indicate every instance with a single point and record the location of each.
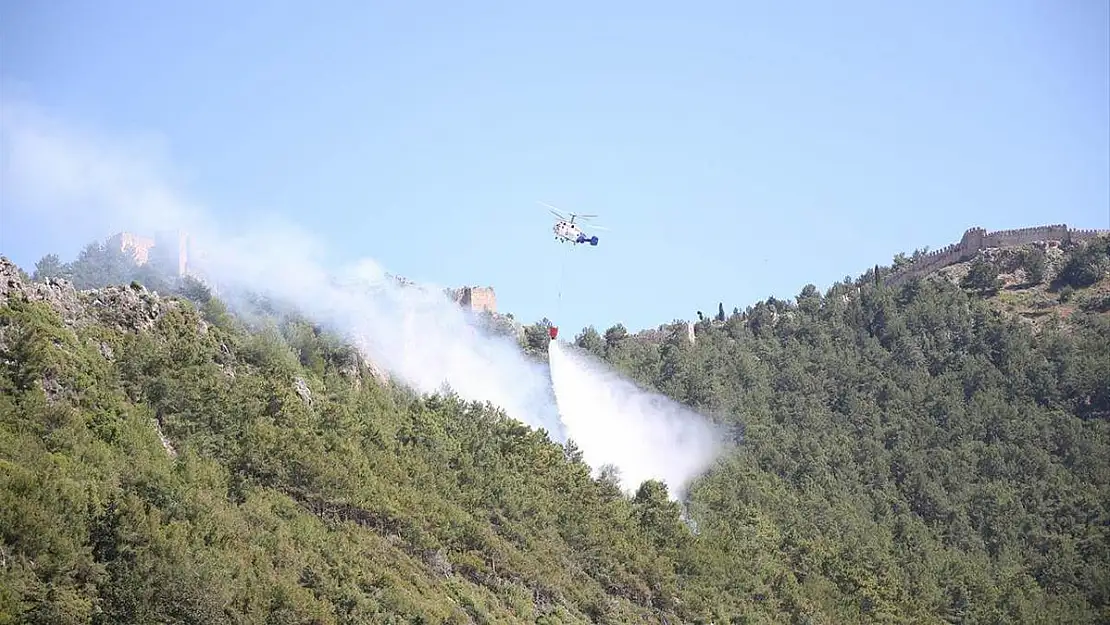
(931, 453)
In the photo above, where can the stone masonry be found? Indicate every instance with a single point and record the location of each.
(976, 239)
(477, 298)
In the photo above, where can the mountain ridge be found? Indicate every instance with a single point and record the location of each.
(902, 454)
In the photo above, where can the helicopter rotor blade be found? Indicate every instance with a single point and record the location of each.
(556, 212)
(572, 216)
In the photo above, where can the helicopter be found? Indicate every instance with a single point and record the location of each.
(567, 231)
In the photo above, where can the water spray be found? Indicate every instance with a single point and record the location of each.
(644, 434)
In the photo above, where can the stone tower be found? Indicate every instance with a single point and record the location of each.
(477, 298)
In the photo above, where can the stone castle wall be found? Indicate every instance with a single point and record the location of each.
(170, 245)
(174, 247)
(976, 239)
(477, 298)
(138, 247)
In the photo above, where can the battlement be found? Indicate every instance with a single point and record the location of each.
(1021, 236)
(977, 238)
(1086, 235)
(933, 254)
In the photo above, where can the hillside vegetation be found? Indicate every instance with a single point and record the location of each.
(920, 454)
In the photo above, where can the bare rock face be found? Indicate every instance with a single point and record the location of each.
(302, 390)
(352, 364)
(59, 293)
(130, 308)
(127, 308)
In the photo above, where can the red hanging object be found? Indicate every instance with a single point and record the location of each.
(554, 332)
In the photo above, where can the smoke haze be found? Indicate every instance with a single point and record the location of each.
(92, 186)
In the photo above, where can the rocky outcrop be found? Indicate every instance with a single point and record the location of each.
(126, 308)
(59, 293)
(351, 368)
(300, 386)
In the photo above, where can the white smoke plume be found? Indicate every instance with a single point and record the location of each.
(645, 435)
(92, 186)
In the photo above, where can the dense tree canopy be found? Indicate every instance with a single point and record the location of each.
(903, 455)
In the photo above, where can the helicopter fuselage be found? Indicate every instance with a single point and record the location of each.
(570, 233)
(567, 231)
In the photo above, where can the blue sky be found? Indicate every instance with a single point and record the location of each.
(735, 151)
